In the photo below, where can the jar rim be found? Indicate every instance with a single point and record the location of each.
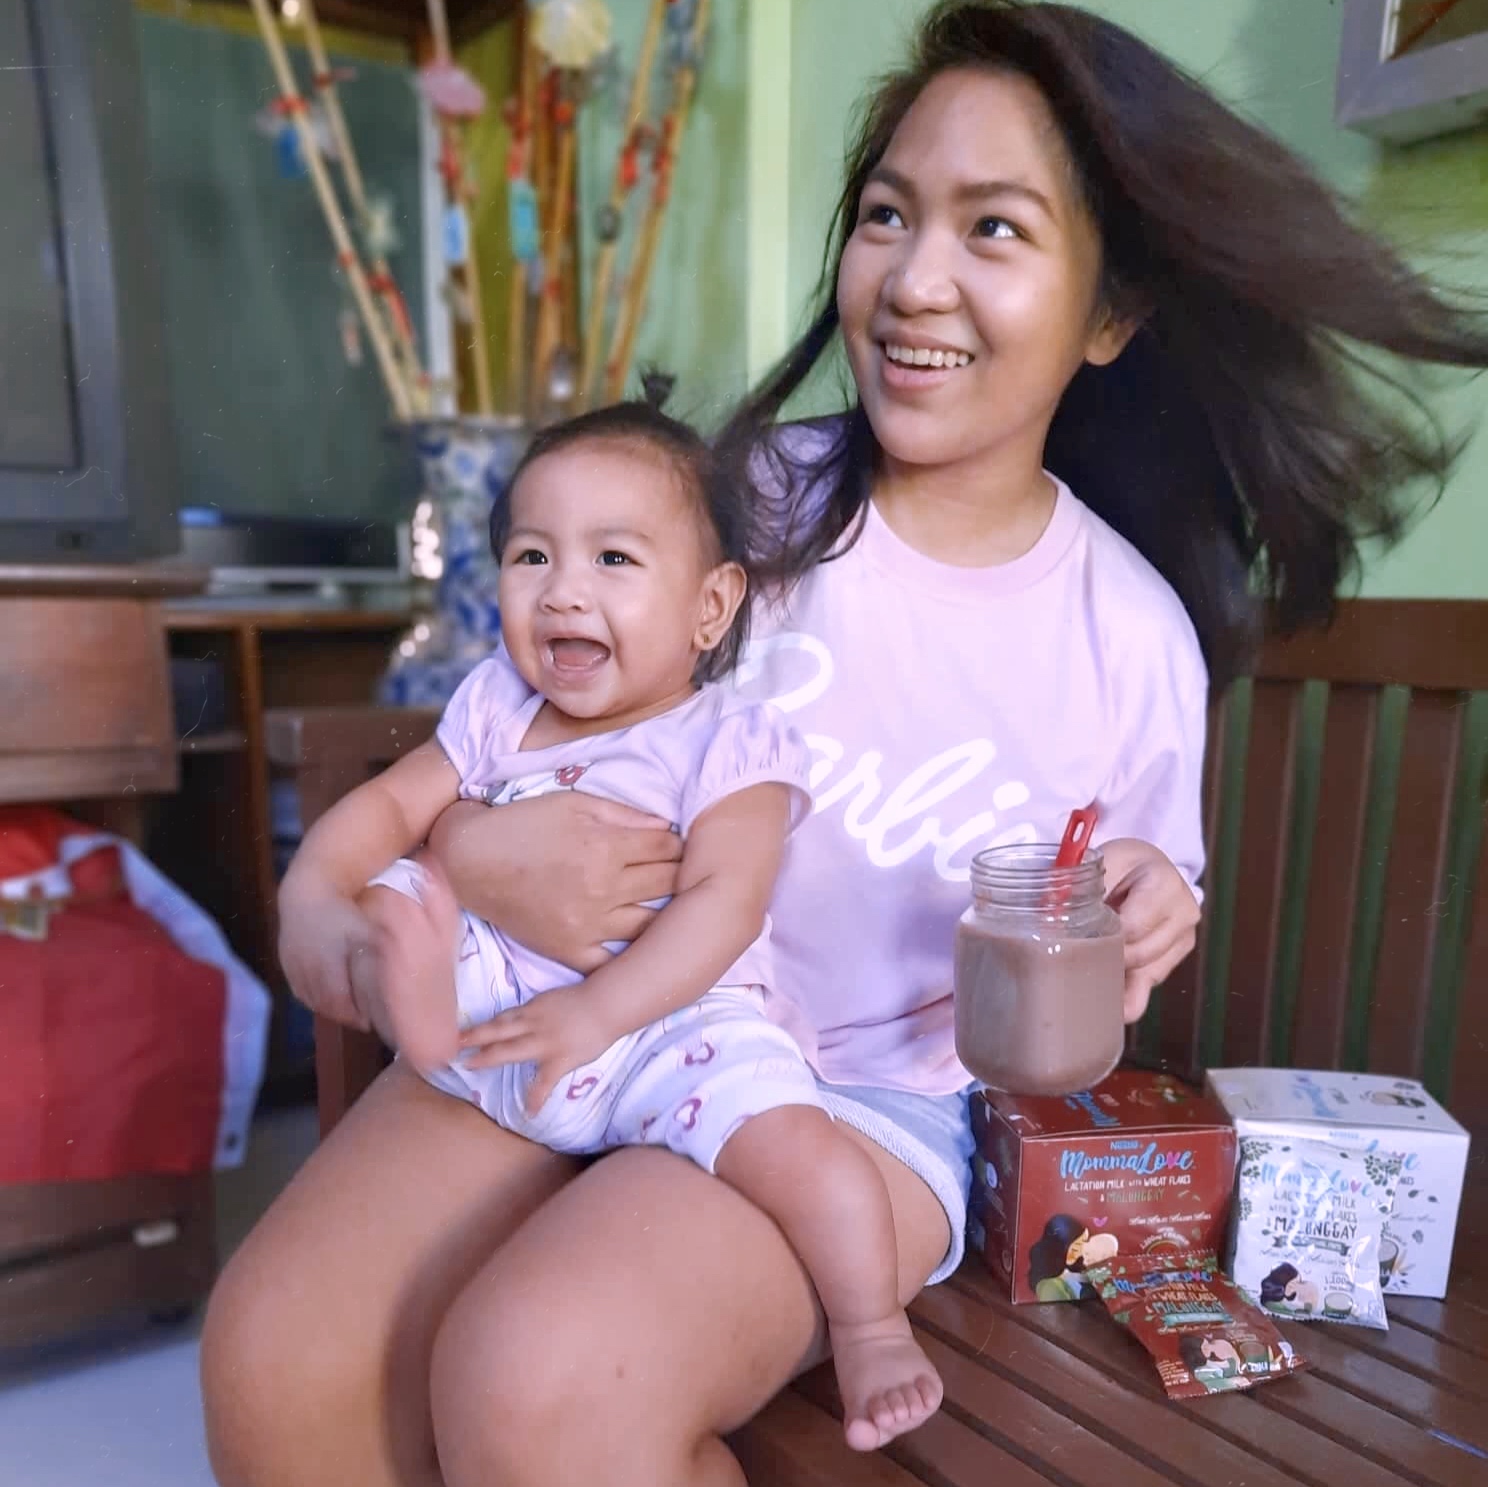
(1032, 857)
(1023, 875)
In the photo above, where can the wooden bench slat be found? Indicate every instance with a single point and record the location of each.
(1320, 1016)
(1059, 1354)
(1373, 1437)
(1437, 643)
(1415, 883)
(1463, 1326)
(1392, 1389)
(1180, 1003)
(1468, 1090)
(791, 1443)
(945, 1450)
(1265, 850)
(1357, 1441)
(1438, 1362)
(1053, 1439)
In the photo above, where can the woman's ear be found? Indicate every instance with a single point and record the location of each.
(723, 592)
(1111, 336)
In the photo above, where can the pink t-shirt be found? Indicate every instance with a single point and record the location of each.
(674, 766)
(950, 709)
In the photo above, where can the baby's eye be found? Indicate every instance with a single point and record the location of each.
(996, 227)
(612, 559)
(530, 557)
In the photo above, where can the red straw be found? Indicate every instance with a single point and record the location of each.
(1076, 837)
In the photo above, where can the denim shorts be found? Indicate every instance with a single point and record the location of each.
(930, 1134)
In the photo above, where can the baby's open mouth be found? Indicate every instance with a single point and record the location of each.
(573, 654)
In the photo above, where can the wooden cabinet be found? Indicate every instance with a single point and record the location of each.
(85, 723)
(84, 686)
(214, 835)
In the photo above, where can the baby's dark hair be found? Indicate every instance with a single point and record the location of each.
(723, 518)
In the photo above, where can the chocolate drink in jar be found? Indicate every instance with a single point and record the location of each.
(1040, 973)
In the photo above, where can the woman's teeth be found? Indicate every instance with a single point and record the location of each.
(918, 356)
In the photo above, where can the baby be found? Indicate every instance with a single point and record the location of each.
(623, 592)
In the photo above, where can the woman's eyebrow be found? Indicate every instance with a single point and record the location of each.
(884, 175)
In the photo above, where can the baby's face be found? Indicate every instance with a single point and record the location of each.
(607, 591)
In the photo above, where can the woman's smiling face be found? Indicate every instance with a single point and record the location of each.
(968, 290)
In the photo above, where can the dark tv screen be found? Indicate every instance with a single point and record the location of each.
(86, 463)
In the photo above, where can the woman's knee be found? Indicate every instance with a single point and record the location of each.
(250, 1366)
(498, 1383)
(277, 1379)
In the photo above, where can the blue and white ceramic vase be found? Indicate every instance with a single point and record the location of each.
(466, 463)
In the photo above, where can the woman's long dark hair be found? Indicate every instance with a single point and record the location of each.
(1245, 442)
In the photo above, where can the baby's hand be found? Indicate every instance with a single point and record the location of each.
(559, 1031)
(1159, 916)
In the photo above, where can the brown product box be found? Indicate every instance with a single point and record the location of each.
(1140, 1163)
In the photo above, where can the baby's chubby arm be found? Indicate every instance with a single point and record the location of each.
(730, 861)
(320, 926)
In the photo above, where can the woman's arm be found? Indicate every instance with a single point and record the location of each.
(729, 866)
(562, 874)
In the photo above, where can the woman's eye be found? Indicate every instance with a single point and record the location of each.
(881, 214)
(530, 558)
(996, 227)
(612, 559)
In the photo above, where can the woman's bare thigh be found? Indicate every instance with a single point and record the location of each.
(649, 1304)
(329, 1309)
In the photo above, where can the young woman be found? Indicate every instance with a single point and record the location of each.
(1055, 253)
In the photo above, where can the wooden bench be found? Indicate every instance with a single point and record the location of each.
(1346, 927)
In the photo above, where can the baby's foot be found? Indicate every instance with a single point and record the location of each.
(888, 1385)
(412, 991)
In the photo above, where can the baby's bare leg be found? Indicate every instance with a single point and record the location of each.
(406, 985)
(827, 1196)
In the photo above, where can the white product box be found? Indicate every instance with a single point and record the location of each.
(1377, 1113)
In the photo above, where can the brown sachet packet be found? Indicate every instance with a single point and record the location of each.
(1202, 1331)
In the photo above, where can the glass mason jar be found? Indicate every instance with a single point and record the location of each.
(1039, 973)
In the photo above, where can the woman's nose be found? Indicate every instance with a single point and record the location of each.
(922, 281)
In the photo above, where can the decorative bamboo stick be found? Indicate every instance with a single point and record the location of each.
(620, 188)
(346, 253)
(550, 308)
(633, 305)
(522, 167)
(439, 30)
(457, 193)
(381, 278)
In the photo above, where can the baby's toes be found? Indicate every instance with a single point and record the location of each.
(890, 1410)
(929, 1392)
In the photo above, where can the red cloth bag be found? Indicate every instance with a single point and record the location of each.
(110, 1036)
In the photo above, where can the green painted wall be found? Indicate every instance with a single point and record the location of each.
(1273, 59)
(269, 419)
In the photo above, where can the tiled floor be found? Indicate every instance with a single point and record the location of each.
(124, 1410)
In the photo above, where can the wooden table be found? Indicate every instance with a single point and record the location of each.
(1060, 1394)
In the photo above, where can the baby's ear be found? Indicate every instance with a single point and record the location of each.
(724, 590)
